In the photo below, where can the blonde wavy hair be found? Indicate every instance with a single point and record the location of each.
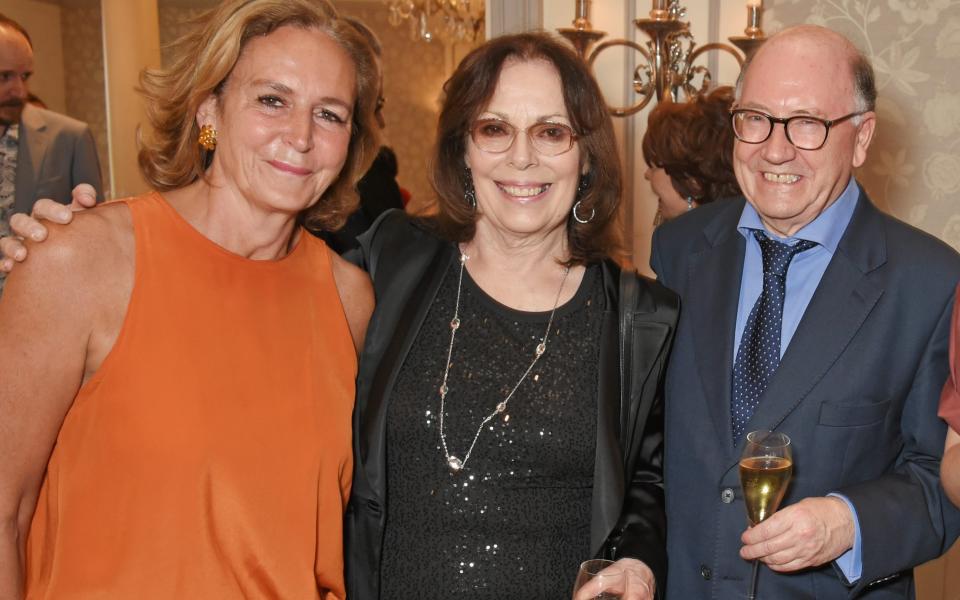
(203, 59)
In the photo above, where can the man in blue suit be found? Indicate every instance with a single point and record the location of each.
(809, 312)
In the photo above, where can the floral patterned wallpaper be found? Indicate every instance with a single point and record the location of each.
(913, 170)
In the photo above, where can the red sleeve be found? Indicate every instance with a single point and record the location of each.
(950, 398)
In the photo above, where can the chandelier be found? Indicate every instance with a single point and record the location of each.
(446, 20)
(668, 67)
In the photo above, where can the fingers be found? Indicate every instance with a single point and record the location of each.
(610, 579)
(640, 582)
(12, 250)
(48, 210)
(778, 523)
(83, 196)
(810, 533)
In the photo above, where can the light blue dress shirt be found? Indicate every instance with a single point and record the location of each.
(803, 277)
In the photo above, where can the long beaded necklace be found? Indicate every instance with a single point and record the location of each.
(454, 462)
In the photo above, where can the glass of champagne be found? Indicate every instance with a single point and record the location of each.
(766, 466)
(598, 579)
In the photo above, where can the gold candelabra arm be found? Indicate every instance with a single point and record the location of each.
(582, 39)
(669, 55)
(643, 82)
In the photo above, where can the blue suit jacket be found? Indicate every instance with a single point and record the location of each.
(856, 391)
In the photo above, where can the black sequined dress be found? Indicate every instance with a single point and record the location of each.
(515, 522)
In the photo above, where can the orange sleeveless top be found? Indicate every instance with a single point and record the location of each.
(210, 455)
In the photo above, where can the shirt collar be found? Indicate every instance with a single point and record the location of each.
(826, 230)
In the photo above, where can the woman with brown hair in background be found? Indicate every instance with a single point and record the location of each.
(688, 148)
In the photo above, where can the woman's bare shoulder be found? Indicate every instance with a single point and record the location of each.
(91, 258)
(356, 295)
(91, 240)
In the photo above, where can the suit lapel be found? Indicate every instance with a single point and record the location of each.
(34, 138)
(843, 300)
(718, 266)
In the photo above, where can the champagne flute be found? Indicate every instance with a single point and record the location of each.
(598, 579)
(766, 466)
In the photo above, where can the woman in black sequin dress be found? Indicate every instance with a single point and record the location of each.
(494, 452)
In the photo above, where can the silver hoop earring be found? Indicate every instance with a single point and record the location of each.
(689, 202)
(577, 217)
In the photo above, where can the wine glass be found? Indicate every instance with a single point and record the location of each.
(598, 579)
(766, 466)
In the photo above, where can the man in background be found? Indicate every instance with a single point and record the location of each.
(43, 154)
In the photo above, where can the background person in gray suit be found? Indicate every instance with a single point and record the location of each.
(845, 351)
(42, 154)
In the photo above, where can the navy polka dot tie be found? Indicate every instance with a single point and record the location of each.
(759, 353)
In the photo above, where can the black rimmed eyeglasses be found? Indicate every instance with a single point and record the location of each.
(803, 131)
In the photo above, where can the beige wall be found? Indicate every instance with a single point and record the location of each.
(131, 41)
(84, 76)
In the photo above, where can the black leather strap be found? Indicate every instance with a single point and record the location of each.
(628, 302)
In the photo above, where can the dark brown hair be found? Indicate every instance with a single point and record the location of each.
(203, 60)
(693, 142)
(467, 93)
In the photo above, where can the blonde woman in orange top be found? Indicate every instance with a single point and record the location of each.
(178, 380)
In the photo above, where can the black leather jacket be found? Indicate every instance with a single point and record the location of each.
(407, 263)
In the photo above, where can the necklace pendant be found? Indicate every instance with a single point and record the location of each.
(443, 390)
(501, 407)
(455, 323)
(541, 348)
(454, 463)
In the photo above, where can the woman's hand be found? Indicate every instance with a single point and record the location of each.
(639, 582)
(11, 247)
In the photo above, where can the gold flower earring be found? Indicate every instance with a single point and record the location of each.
(207, 138)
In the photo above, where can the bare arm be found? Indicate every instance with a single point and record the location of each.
(356, 295)
(55, 328)
(31, 227)
(950, 466)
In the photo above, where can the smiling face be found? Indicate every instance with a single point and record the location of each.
(16, 67)
(283, 120)
(521, 193)
(804, 72)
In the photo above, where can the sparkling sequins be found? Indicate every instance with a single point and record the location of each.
(524, 519)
